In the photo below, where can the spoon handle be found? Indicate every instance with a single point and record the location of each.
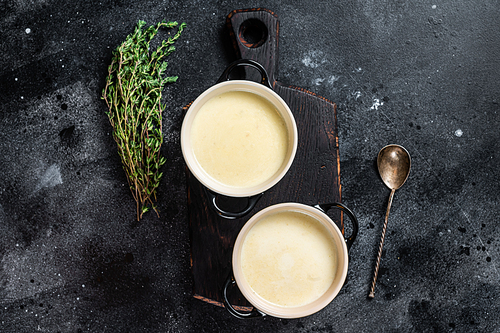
(379, 255)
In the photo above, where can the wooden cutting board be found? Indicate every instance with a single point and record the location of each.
(313, 177)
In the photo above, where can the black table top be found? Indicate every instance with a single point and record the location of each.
(425, 75)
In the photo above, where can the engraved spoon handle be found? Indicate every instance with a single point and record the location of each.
(379, 255)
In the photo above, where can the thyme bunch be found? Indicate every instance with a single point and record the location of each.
(133, 93)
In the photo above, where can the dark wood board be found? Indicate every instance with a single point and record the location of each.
(313, 177)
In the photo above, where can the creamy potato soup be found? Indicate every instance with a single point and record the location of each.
(289, 259)
(239, 139)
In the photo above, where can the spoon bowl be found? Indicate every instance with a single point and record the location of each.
(393, 163)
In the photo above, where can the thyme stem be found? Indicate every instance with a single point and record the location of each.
(133, 93)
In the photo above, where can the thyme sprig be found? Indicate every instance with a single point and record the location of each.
(133, 94)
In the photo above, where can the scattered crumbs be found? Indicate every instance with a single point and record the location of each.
(333, 79)
(318, 81)
(28, 30)
(376, 104)
(313, 59)
(307, 61)
(458, 133)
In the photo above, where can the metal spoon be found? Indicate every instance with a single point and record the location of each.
(394, 165)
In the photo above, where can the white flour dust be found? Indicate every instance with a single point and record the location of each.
(313, 59)
(51, 178)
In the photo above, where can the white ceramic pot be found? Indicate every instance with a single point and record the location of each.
(339, 255)
(215, 186)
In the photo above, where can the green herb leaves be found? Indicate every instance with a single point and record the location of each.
(133, 94)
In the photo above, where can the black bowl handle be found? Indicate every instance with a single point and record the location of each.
(326, 207)
(246, 62)
(212, 202)
(255, 313)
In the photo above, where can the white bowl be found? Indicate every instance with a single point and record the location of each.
(187, 148)
(340, 252)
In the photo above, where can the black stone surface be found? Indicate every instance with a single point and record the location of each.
(423, 74)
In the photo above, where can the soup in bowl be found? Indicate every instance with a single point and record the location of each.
(290, 260)
(239, 138)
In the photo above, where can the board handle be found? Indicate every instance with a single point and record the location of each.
(254, 34)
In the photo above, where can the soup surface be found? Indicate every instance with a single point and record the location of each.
(289, 258)
(239, 139)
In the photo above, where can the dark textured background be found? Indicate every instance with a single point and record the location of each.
(422, 74)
